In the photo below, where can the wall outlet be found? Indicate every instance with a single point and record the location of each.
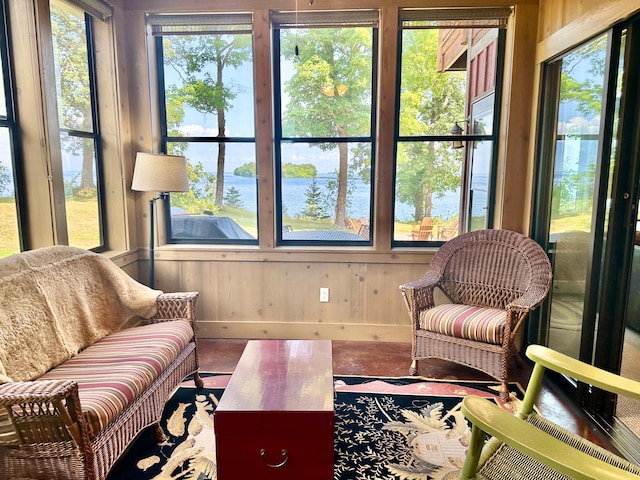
(324, 295)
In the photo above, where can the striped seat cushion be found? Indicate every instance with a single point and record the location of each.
(114, 371)
(463, 321)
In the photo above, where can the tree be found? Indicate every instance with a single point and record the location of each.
(74, 89)
(5, 179)
(232, 198)
(329, 91)
(585, 90)
(200, 61)
(313, 202)
(430, 102)
(198, 198)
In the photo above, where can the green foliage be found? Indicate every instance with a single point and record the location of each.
(306, 170)
(73, 87)
(192, 56)
(361, 162)
(247, 170)
(329, 92)
(72, 73)
(328, 58)
(313, 201)
(576, 191)
(585, 88)
(200, 194)
(232, 198)
(430, 102)
(200, 61)
(73, 190)
(289, 170)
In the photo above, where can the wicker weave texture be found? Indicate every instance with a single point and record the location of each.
(54, 437)
(488, 268)
(507, 463)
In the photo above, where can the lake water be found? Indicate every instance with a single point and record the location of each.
(294, 196)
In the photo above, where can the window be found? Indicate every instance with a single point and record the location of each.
(10, 238)
(448, 94)
(324, 82)
(572, 172)
(79, 130)
(205, 75)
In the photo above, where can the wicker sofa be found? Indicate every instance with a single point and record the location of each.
(75, 386)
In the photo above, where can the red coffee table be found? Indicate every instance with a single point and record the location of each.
(275, 419)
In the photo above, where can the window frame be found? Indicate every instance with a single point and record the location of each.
(174, 24)
(95, 135)
(308, 20)
(476, 18)
(10, 121)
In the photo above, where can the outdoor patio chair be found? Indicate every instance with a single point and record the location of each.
(527, 445)
(447, 232)
(492, 279)
(424, 231)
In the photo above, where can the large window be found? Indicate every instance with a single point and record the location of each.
(79, 130)
(325, 70)
(10, 241)
(450, 64)
(205, 72)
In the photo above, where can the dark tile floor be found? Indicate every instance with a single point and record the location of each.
(393, 359)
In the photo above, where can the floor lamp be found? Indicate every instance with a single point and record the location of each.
(156, 172)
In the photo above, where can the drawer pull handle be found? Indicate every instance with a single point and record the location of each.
(285, 458)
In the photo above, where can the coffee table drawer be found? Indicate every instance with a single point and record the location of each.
(275, 457)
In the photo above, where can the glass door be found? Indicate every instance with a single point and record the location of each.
(572, 234)
(626, 423)
(586, 216)
(627, 409)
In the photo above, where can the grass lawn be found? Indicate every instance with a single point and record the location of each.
(84, 231)
(9, 242)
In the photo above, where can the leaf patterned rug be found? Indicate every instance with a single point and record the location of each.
(407, 428)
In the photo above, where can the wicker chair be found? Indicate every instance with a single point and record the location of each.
(493, 279)
(527, 445)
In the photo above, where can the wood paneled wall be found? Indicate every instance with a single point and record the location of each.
(268, 291)
(564, 24)
(245, 296)
(273, 292)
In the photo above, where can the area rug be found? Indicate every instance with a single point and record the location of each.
(407, 428)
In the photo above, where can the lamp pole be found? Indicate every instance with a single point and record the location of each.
(152, 238)
(152, 242)
(158, 173)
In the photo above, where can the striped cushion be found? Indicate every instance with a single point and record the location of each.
(112, 372)
(463, 321)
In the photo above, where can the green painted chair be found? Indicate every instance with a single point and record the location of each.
(528, 446)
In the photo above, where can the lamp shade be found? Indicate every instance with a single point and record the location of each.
(156, 172)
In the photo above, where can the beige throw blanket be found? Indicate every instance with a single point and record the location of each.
(55, 301)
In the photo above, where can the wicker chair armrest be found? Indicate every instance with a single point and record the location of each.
(488, 418)
(529, 300)
(426, 282)
(14, 393)
(422, 288)
(583, 372)
(176, 305)
(46, 411)
(418, 296)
